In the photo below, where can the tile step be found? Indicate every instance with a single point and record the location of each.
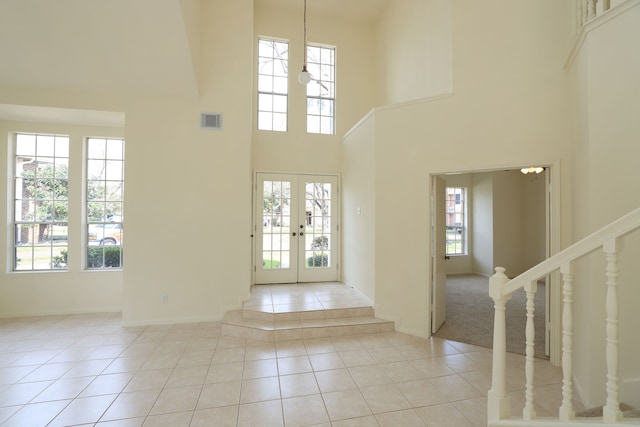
(236, 323)
(308, 314)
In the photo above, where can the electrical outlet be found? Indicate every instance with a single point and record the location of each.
(165, 298)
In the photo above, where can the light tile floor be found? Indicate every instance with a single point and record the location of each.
(88, 370)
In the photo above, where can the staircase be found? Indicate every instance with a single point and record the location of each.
(271, 323)
(608, 240)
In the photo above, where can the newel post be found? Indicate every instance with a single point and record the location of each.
(498, 405)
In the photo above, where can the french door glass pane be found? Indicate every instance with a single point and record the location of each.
(276, 224)
(318, 225)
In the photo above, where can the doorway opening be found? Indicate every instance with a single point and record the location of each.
(510, 223)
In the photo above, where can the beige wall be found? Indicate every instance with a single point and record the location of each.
(295, 150)
(482, 237)
(194, 184)
(187, 200)
(359, 209)
(535, 218)
(414, 51)
(508, 221)
(607, 94)
(75, 290)
(515, 117)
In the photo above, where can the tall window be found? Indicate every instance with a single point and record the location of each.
(456, 205)
(321, 91)
(273, 71)
(105, 197)
(41, 203)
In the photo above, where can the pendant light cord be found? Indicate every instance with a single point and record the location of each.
(305, 34)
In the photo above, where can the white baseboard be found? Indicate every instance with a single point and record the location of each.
(413, 332)
(172, 321)
(61, 312)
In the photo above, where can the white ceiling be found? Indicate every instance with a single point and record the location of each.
(115, 46)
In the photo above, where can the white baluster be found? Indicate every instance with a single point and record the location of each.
(585, 11)
(591, 12)
(498, 405)
(606, 5)
(611, 411)
(566, 410)
(579, 19)
(529, 413)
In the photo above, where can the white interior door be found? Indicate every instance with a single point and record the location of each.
(438, 253)
(296, 228)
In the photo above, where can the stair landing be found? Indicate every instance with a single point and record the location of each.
(303, 311)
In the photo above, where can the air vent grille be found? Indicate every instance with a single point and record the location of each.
(211, 121)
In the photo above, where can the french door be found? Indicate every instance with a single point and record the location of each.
(296, 228)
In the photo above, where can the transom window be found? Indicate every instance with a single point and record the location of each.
(321, 90)
(273, 71)
(105, 197)
(456, 220)
(41, 202)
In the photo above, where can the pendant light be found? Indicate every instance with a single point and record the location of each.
(304, 77)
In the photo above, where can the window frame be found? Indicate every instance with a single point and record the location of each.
(99, 252)
(276, 91)
(318, 69)
(57, 252)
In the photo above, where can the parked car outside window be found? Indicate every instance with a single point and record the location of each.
(107, 234)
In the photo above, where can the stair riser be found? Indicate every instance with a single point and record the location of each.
(290, 334)
(309, 315)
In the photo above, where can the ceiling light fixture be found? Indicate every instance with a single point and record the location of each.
(304, 77)
(532, 169)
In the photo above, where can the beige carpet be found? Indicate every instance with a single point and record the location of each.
(470, 315)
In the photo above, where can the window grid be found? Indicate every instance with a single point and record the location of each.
(41, 202)
(105, 199)
(456, 212)
(273, 72)
(321, 90)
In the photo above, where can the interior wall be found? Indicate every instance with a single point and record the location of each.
(198, 186)
(188, 198)
(414, 45)
(295, 150)
(534, 219)
(358, 209)
(482, 247)
(75, 290)
(508, 221)
(514, 117)
(607, 98)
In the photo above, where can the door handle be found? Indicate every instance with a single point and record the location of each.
(447, 257)
(293, 234)
(301, 233)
